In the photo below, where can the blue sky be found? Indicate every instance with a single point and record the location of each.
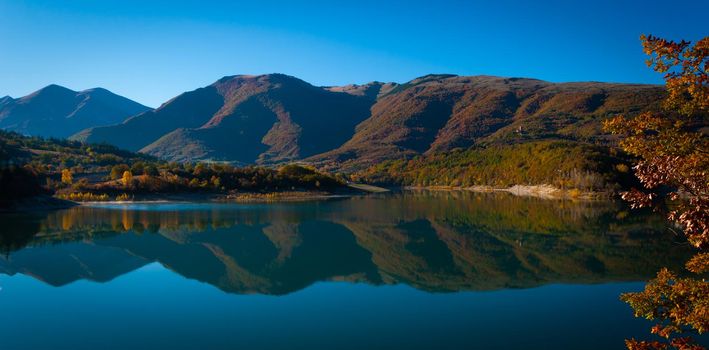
(151, 51)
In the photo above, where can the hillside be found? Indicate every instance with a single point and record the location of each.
(56, 111)
(32, 166)
(243, 119)
(275, 118)
(440, 113)
(562, 164)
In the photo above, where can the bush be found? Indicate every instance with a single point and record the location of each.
(85, 197)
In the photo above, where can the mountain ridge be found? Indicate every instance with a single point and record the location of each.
(57, 111)
(273, 118)
(242, 118)
(431, 115)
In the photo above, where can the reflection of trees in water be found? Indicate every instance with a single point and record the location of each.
(492, 211)
(17, 231)
(434, 241)
(92, 219)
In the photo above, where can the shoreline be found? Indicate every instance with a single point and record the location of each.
(539, 191)
(36, 203)
(289, 196)
(239, 197)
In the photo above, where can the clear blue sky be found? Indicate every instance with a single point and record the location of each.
(151, 51)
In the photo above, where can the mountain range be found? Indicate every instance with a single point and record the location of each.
(55, 111)
(276, 118)
(245, 119)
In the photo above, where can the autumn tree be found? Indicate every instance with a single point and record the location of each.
(216, 182)
(118, 170)
(673, 168)
(127, 178)
(67, 177)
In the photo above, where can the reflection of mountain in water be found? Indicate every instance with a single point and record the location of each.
(433, 241)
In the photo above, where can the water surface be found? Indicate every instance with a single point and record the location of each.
(411, 270)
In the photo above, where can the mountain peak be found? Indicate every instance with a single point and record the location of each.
(228, 78)
(52, 91)
(237, 87)
(98, 90)
(55, 87)
(56, 111)
(270, 77)
(430, 77)
(372, 90)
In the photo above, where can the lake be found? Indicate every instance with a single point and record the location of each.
(418, 270)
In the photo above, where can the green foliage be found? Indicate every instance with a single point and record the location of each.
(54, 154)
(221, 178)
(79, 172)
(560, 163)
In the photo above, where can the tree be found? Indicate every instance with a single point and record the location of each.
(138, 168)
(151, 170)
(118, 170)
(199, 170)
(216, 182)
(67, 177)
(673, 166)
(127, 178)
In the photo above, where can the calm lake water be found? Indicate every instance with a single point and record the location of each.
(410, 270)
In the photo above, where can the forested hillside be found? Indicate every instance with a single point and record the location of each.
(30, 166)
(563, 164)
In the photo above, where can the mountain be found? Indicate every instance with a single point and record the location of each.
(440, 113)
(56, 111)
(245, 119)
(62, 265)
(275, 118)
(5, 100)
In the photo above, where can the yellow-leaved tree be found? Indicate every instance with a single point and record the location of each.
(67, 177)
(127, 178)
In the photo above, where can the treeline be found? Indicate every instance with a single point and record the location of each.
(51, 155)
(77, 171)
(16, 179)
(564, 164)
(147, 178)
